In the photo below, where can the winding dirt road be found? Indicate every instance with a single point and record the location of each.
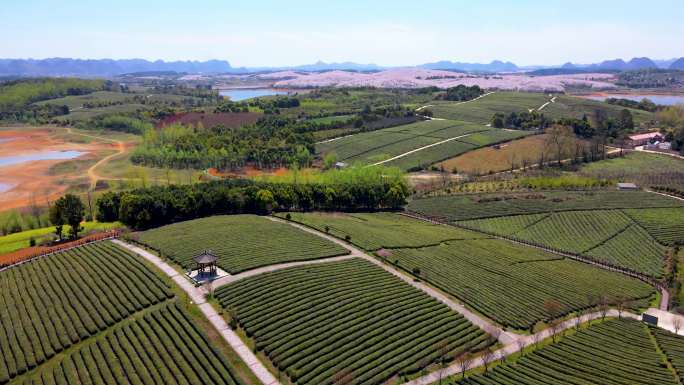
(92, 173)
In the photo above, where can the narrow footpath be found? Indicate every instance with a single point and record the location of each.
(420, 149)
(267, 269)
(219, 323)
(508, 349)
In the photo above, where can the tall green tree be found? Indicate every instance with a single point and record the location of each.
(56, 217)
(68, 210)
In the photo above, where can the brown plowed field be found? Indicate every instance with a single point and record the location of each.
(208, 120)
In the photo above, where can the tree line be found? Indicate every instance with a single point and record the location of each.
(16, 95)
(463, 93)
(155, 206)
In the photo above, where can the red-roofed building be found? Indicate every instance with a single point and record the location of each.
(645, 138)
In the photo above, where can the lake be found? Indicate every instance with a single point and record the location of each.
(666, 100)
(237, 95)
(5, 187)
(45, 155)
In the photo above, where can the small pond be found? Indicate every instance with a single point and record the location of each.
(45, 155)
(666, 100)
(237, 95)
(5, 187)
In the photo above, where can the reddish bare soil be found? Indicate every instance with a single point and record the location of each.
(208, 120)
(33, 180)
(36, 251)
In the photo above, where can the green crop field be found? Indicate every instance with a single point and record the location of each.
(53, 303)
(383, 144)
(381, 230)
(507, 225)
(606, 235)
(574, 107)
(576, 231)
(482, 110)
(644, 169)
(612, 352)
(241, 242)
(350, 317)
(463, 207)
(673, 347)
(161, 347)
(510, 283)
(666, 225)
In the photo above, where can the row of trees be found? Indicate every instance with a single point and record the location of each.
(521, 120)
(156, 206)
(604, 125)
(16, 95)
(644, 104)
(673, 119)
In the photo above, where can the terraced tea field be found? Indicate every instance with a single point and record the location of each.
(381, 230)
(510, 283)
(673, 347)
(665, 225)
(53, 303)
(463, 207)
(423, 159)
(384, 144)
(612, 352)
(606, 235)
(162, 347)
(348, 317)
(241, 242)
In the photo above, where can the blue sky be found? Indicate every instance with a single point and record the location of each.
(275, 33)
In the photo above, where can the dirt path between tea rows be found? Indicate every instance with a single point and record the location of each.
(504, 337)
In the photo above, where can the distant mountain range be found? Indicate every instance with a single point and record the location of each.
(494, 66)
(104, 67)
(111, 67)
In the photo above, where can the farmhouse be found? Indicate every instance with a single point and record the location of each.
(645, 138)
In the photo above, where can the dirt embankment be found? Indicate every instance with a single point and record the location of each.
(40, 181)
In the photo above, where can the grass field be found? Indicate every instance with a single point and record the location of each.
(508, 156)
(612, 352)
(241, 242)
(56, 302)
(482, 110)
(463, 207)
(346, 319)
(381, 230)
(510, 283)
(17, 241)
(161, 347)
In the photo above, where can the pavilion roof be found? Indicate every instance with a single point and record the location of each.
(205, 257)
